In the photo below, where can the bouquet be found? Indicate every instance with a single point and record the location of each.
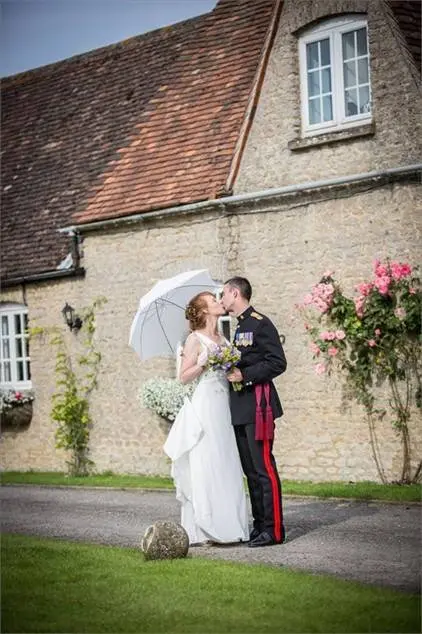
(225, 358)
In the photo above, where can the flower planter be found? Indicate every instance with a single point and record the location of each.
(16, 417)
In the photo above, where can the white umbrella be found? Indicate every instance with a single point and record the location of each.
(160, 321)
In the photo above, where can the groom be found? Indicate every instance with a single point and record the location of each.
(254, 409)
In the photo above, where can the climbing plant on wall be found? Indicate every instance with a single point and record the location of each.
(76, 377)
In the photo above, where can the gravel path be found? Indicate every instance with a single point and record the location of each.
(369, 542)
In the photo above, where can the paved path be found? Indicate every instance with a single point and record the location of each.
(369, 542)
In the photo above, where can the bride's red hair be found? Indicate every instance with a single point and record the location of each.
(196, 310)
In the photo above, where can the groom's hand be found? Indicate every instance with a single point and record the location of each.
(235, 376)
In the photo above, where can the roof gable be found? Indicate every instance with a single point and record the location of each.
(147, 123)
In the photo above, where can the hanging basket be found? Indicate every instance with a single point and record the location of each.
(16, 417)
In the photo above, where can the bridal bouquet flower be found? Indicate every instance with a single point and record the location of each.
(225, 358)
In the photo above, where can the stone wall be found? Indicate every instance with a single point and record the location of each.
(283, 252)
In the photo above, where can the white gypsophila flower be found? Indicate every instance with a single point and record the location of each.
(164, 396)
(14, 398)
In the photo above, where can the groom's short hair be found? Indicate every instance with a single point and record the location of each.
(242, 284)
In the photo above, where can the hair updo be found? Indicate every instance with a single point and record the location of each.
(195, 311)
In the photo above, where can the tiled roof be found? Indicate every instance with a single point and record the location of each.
(151, 122)
(408, 16)
(147, 123)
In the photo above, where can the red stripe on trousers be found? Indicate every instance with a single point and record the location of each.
(274, 487)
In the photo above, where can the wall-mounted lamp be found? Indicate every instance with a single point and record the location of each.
(71, 319)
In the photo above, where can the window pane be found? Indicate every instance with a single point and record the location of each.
(349, 74)
(28, 371)
(226, 329)
(4, 325)
(313, 84)
(7, 373)
(18, 324)
(25, 347)
(18, 342)
(20, 371)
(314, 111)
(5, 349)
(325, 52)
(350, 103)
(362, 41)
(1, 373)
(326, 80)
(327, 108)
(312, 55)
(364, 100)
(363, 75)
(348, 45)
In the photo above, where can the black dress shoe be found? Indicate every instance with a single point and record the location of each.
(254, 534)
(263, 539)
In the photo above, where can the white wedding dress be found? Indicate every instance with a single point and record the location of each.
(206, 467)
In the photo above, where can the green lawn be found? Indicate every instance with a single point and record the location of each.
(359, 490)
(55, 586)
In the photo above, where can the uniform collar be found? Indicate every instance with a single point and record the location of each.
(245, 314)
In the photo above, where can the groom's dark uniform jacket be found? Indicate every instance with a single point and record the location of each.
(262, 360)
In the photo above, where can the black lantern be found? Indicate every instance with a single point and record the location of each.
(71, 319)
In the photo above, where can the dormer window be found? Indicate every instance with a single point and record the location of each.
(335, 75)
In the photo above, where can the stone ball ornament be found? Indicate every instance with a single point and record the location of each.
(165, 540)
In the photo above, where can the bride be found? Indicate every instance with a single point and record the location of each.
(201, 444)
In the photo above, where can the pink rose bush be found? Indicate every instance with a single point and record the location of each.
(371, 338)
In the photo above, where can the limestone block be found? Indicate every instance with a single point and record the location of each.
(165, 540)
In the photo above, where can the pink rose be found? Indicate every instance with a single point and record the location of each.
(412, 290)
(372, 343)
(359, 304)
(320, 368)
(332, 351)
(18, 396)
(382, 283)
(327, 335)
(377, 332)
(320, 304)
(400, 313)
(364, 289)
(315, 349)
(379, 269)
(399, 270)
(340, 334)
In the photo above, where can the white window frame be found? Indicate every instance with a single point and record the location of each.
(332, 30)
(8, 312)
(225, 319)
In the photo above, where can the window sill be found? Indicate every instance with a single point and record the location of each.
(305, 143)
